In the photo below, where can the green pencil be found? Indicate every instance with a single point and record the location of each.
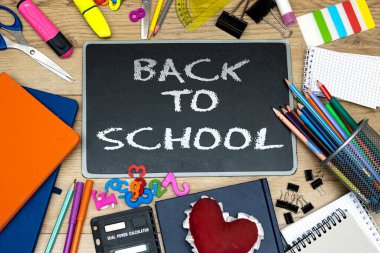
(337, 118)
(61, 217)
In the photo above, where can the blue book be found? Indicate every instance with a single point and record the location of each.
(21, 234)
(252, 198)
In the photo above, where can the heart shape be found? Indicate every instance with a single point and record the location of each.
(212, 234)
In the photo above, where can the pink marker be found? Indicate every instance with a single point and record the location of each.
(45, 28)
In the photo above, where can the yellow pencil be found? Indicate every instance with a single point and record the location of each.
(155, 18)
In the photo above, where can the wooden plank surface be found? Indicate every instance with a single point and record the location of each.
(65, 15)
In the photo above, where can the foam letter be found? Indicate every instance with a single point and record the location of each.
(211, 94)
(213, 132)
(169, 66)
(189, 73)
(231, 70)
(177, 97)
(148, 68)
(131, 142)
(102, 136)
(184, 140)
(260, 141)
(244, 132)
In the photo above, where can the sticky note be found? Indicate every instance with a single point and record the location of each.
(310, 30)
(352, 17)
(366, 14)
(322, 26)
(337, 20)
(330, 24)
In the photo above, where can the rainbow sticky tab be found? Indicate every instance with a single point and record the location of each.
(335, 22)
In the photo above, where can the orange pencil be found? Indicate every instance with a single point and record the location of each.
(81, 215)
(321, 113)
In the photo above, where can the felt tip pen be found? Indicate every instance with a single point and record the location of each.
(94, 17)
(45, 28)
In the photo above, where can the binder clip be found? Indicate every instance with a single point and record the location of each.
(309, 175)
(288, 218)
(293, 187)
(232, 24)
(285, 204)
(260, 9)
(317, 185)
(282, 203)
(305, 206)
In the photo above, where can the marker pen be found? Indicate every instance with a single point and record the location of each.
(286, 11)
(45, 28)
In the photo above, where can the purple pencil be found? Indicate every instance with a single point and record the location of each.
(73, 216)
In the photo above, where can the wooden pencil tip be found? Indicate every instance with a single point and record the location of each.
(289, 108)
(298, 111)
(300, 106)
(275, 111)
(287, 82)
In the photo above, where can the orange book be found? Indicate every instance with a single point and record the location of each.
(33, 143)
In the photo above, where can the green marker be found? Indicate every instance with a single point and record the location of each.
(337, 118)
(61, 217)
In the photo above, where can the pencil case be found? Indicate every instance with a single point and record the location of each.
(356, 163)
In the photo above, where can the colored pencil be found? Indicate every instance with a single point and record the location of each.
(338, 107)
(60, 218)
(317, 152)
(329, 117)
(310, 134)
(155, 17)
(318, 126)
(162, 17)
(333, 113)
(73, 216)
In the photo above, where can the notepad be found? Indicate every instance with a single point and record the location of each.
(342, 226)
(349, 77)
(34, 141)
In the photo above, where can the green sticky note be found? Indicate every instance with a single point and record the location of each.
(322, 26)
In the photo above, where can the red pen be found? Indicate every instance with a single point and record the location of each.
(45, 28)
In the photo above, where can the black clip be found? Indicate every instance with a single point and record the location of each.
(284, 203)
(309, 175)
(232, 24)
(305, 206)
(260, 9)
(288, 218)
(293, 187)
(317, 185)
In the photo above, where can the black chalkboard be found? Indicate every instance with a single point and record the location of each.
(132, 108)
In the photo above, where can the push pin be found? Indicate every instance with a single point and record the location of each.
(260, 9)
(232, 24)
(309, 175)
(288, 218)
(317, 185)
(305, 206)
(102, 201)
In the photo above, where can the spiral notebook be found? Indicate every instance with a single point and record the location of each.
(342, 226)
(349, 77)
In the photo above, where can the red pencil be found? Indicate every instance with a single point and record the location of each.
(324, 90)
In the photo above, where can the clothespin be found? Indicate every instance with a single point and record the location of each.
(232, 24)
(305, 206)
(260, 9)
(309, 175)
(317, 185)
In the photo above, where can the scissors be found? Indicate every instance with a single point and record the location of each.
(23, 45)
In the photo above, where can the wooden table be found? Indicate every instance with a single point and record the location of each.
(66, 16)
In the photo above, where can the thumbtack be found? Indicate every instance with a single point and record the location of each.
(232, 24)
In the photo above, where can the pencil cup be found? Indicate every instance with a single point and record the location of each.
(357, 165)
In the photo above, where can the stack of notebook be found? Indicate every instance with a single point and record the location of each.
(24, 218)
(350, 77)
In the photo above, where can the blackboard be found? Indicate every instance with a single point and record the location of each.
(197, 108)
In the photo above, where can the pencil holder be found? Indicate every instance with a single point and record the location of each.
(356, 164)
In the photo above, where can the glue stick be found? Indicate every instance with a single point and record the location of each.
(286, 11)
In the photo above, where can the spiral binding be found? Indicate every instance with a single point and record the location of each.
(370, 222)
(317, 231)
(307, 67)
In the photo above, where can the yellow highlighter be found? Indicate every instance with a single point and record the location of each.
(94, 17)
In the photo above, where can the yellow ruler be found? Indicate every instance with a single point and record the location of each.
(194, 13)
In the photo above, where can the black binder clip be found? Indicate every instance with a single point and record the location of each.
(282, 203)
(305, 206)
(293, 207)
(293, 187)
(260, 9)
(317, 185)
(309, 175)
(288, 218)
(232, 24)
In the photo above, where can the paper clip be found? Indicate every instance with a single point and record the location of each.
(114, 5)
(260, 9)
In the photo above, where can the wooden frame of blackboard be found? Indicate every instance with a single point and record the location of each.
(87, 174)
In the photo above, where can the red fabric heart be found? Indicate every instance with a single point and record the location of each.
(213, 235)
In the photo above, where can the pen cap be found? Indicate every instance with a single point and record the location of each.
(45, 28)
(94, 17)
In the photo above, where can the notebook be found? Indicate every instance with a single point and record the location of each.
(34, 142)
(354, 229)
(252, 198)
(349, 77)
(28, 221)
